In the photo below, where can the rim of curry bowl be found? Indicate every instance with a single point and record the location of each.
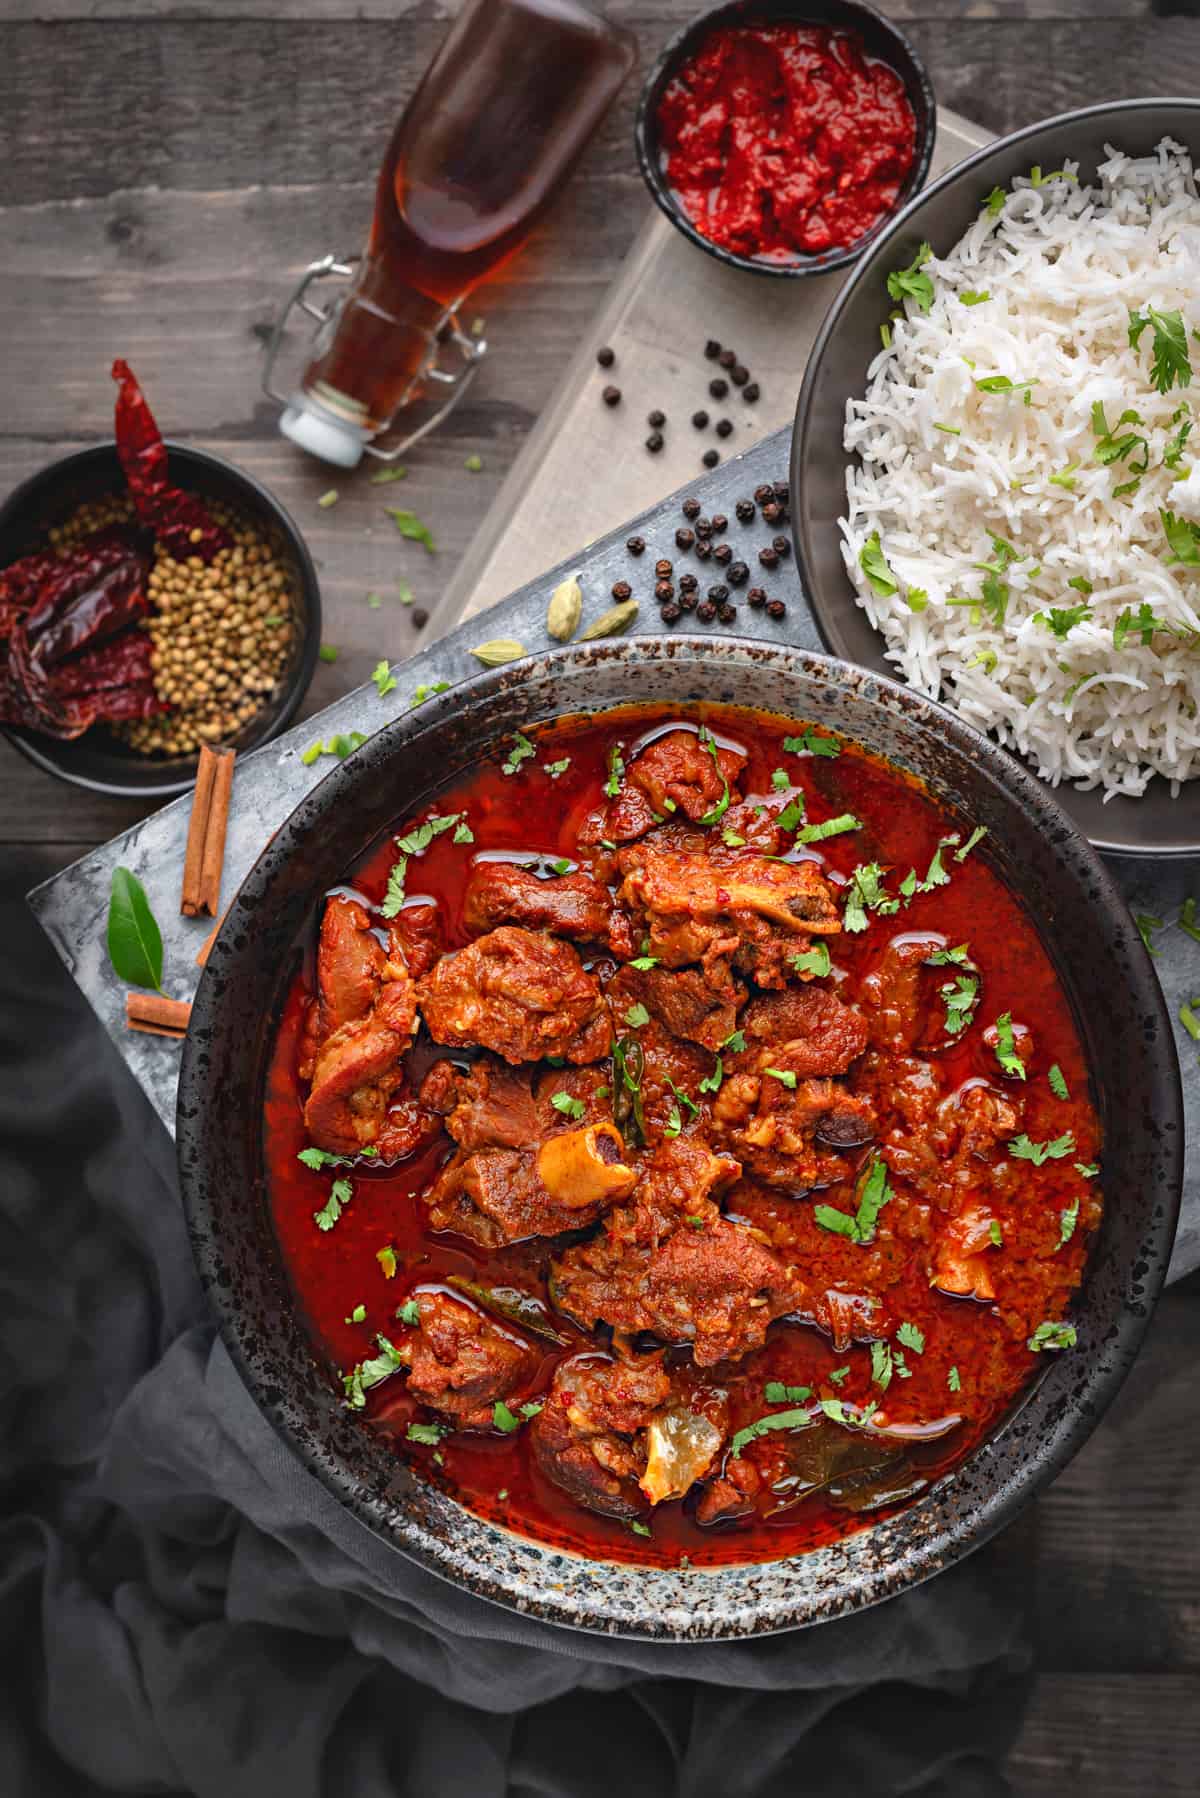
(44, 490)
(883, 40)
(220, 1153)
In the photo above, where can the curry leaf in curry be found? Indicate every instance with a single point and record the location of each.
(134, 939)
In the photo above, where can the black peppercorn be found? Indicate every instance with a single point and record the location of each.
(737, 574)
(723, 553)
(622, 590)
(718, 594)
(687, 600)
(703, 549)
(727, 614)
(718, 388)
(710, 458)
(611, 396)
(704, 527)
(712, 349)
(719, 523)
(654, 442)
(727, 358)
(769, 557)
(664, 590)
(656, 419)
(750, 393)
(606, 357)
(764, 493)
(664, 569)
(670, 614)
(706, 611)
(757, 597)
(688, 583)
(739, 375)
(635, 545)
(691, 508)
(772, 512)
(781, 546)
(700, 420)
(744, 511)
(780, 490)
(684, 538)
(420, 617)
(776, 609)
(724, 427)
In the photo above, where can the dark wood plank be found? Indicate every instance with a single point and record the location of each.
(1110, 1737)
(218, 103)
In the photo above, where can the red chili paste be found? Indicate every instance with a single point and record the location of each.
(785, 140)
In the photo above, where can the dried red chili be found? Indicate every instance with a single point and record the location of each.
(175, 517)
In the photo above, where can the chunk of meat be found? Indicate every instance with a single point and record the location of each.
(682, 1001)
(520, 993)
(758, 914)
(461, 1361)
(573, 905)
(678, 773)
(670, 1263)
(567, 1172)
(808, 1026)
(359, 1029)
(418, 929)
(961, 1260)
(974, 1121)
(619, 1435)
(892, 990)
(778, 1130)
(489, 1106)
(731, 1494)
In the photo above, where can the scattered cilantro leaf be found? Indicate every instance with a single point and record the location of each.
(954, 1380)
(340, 1195)
(716, 812)
(811, 742)
(520, 752)
(1067, 1221)
(1022, 1149)
(569, 1107)
(1006, 1047)
(385, 680)
(959, 996)
(430, 1434)
(616, 772)
(911, 1337)
(410, 527)
(1145, 924)
(1051, 1335)
(832, 827)
(636, 1016)
(796, 1419)
(1170, 363)
(779, 780)
(1058, 1082)
(358, 1315)
(816, 961)
(462, 831)
(776, 1393)
(409, 1312)
(874, 565)
(910, 283)
(881, 1365)
(784, 1076)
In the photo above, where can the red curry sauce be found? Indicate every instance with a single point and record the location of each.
(782, 140)
(950, 1356)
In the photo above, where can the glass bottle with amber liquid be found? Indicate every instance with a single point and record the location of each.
(503, 112)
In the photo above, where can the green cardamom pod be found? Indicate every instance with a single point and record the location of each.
(499, 651)
(565, 609)
(612, 622)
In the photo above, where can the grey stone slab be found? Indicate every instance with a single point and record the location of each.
(271, 782)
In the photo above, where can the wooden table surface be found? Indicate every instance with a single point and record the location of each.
(167, 168)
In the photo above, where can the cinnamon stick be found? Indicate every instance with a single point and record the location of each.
(157, 1015)
(205, 855)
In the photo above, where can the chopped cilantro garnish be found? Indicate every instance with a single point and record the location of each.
(732, 840)
(959, 996)
(954, 1380)
(358, 1315)
(916, 599)
(1021, 1149)
(912, 1338)
(1183, 538)
(463, 832)
(1067, 1221)
(1187, 920)
(994, 203)
(1145, 924)
(874, 565)
(416, 842)
(1006, 1047)
(832, 827)
(971, 298)
(718, 811)
(1087, 1170)
(1004, 384)
(387, 1260)
(811, 742)
(711, 1083)
(793, 813)
(1058, 1082)
(1065, 477)
(779, 780)
(554, 769)
(430, 1434)
(520, 752)
(385, 680)
(784, 1076)
(319, 1158)
(409, 1312)
(813, 961)
(1189, 1017)
(639, 1529)
(881, 1364)
(410, 526)
(1052, 1336)
(995, 1234)
(1170, 363)
(942, 958)
(616, 771)
(735, 1042)
(910, 283)
(866, 893)
(976, 837)
(424, 692)
(360, 1379)
(776, 1393)
(569, 1107)
(1063, 619)
(674, 1123)
(504, 1419)
(837, 1412)
(340, 1195)
(560, 866)
(948, 430)
(393, 899)
(874, 1192)
(838, 1374)
(636, 1016)
(797, 1419)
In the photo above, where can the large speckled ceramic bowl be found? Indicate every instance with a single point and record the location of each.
(1087, 930)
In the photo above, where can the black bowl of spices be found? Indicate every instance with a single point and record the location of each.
(233, 641)
(844, 123)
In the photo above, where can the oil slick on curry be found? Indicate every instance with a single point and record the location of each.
(678, 1140)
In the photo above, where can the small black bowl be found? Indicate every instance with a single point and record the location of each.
(881, 39)
(98, 759)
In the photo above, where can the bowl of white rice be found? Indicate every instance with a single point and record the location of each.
(996, 461)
